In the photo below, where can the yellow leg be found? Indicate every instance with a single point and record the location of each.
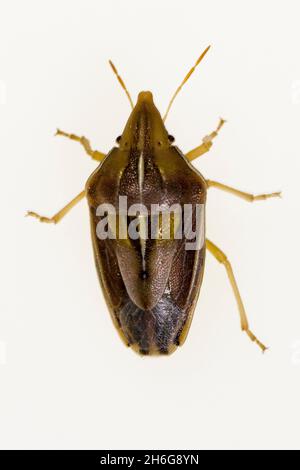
(59, 215)
(99, 156)
(206, 143)
(222, 258)
(246, 196)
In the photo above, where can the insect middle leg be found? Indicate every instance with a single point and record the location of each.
(60, 214)
(246, 196)
(95, 154)
(222, 258)
(206, 143)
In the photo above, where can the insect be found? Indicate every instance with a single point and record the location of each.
(151, 284)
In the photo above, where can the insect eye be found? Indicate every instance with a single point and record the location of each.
(171, 138)
(118, 139)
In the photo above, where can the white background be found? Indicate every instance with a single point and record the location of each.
(67, 381)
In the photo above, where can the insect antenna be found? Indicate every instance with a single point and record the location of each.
(185, 80)
(121, 82)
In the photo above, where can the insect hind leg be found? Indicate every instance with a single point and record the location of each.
(222, 258)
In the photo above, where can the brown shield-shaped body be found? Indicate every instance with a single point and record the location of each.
(150, 285)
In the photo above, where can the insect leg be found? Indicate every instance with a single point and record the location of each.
(95, 154)
(206, 143)
(246, 196)
(222, 258)
(59, 215)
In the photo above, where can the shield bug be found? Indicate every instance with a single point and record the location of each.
(148, 267)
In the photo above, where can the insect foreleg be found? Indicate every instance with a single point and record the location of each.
(222, 258)
(246, 196)
(206, 143)
(59, 215)
(95, 154)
